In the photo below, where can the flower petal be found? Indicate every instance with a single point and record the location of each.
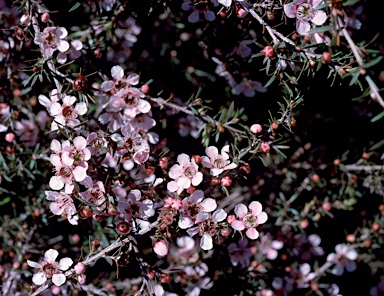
(209, 205)
(65, 263)
(39, 278)
(319, 17)
(238, 225)
(241, 210)
(262, 217)
(58, 279)
(290, 10)
(252, 233)
(51, 255)
(206, 242)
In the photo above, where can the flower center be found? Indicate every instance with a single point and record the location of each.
(342, 259)
(65, 172)
(192, 210)
(77, 155)
(303, 11)
(97, 195)
(51, 39)
(219, 162)
(250, 221)
(190, 172)
(208, 227)
(68, 112)
(50, 268)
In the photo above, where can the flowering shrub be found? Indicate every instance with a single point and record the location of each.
(211, 147)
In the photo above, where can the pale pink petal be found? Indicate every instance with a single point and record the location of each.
(202, 216)
(61, 58)
(226, 3)
(63, 46)
(212, 152)
(183, 159)
(69, 100)
(238, 225)
(352, 254)
(193, 17)
(51, 255)
(79, 142)
(224, 152)
(55, 146)
(262, 218)
(197, 196)
(58, 279)
(230, 166)
(209, 15)
(107, 85)
(183, 182)
(319, 17)
(56, 208)
(117, 72)
(185, 222)
(193, 231)
(55, 183)
(206, 242)
(61, 32)
(48, 51)
(77, 44)
(133, 79)
(302, 27)
(209, 205)
(144, 106)
(172, 186)
(241, 210)
(197, 179)
(79, 173)
(252, 233)
(215, 171)
(33, 264)
(206, 162)
(175, 171)
(272, 254)
(81, 108)
(39, 278)
(290, 10)
(219, 215)
(255, 208)
(65, 263)
(55, 109)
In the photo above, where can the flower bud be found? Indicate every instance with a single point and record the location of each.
(245, 168)
(45, 17)
(161, 248)
(274, 125)
(226, 181)
(144, 88)
(163, 163)
(326, 57)
(269, 52)
(191, 189)
(10, 137)
(81, 278)
(79, 268)
(215, 181)
(80, 83)
(231, 218)
(123, 228)
(265, 147)
(197, 158)
(256, 128)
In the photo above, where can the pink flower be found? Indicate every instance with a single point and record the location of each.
(344, 257)
(95, 193)
(132, 207)
(52, 38)
(240, 253)
(78, 151)
(249, 219)
(62, 204)
(74, 52)
(304, 11)
(161, 248)
(200, 7)
(269, 247)
(208, 226)
(66, 114)
(217, 163)
(119, 80)
(49, 268)
(248, 88)
(192, 206)
(243, 49)
(185, 173)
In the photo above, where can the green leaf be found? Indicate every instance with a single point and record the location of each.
(273, 77)
(378, 117)
(76, 6)
(373, 62)
(5, 200)
(321, 29)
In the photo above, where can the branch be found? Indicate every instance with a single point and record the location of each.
(99, 255)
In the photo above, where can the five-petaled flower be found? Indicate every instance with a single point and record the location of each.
(49, 268)
(304, 11)
(52, 38)
(344, 257)
(249, 219)
(217, 162)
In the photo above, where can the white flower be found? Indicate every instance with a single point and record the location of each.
(344, 257)
(217, 162)
(49, 268)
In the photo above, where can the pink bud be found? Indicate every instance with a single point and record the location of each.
(45, 17)
(269, 52)
(163, 163)
(256, 128)
(161, 248)
(55, 290)
(226, 181)
(241, 13)
(144, 88)
(81, 278)
(76, 238)
(225, 232)
(191, 189)
(79, 268)
(326, 206)
(265, 147)
(231, 218)
(10, 137)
